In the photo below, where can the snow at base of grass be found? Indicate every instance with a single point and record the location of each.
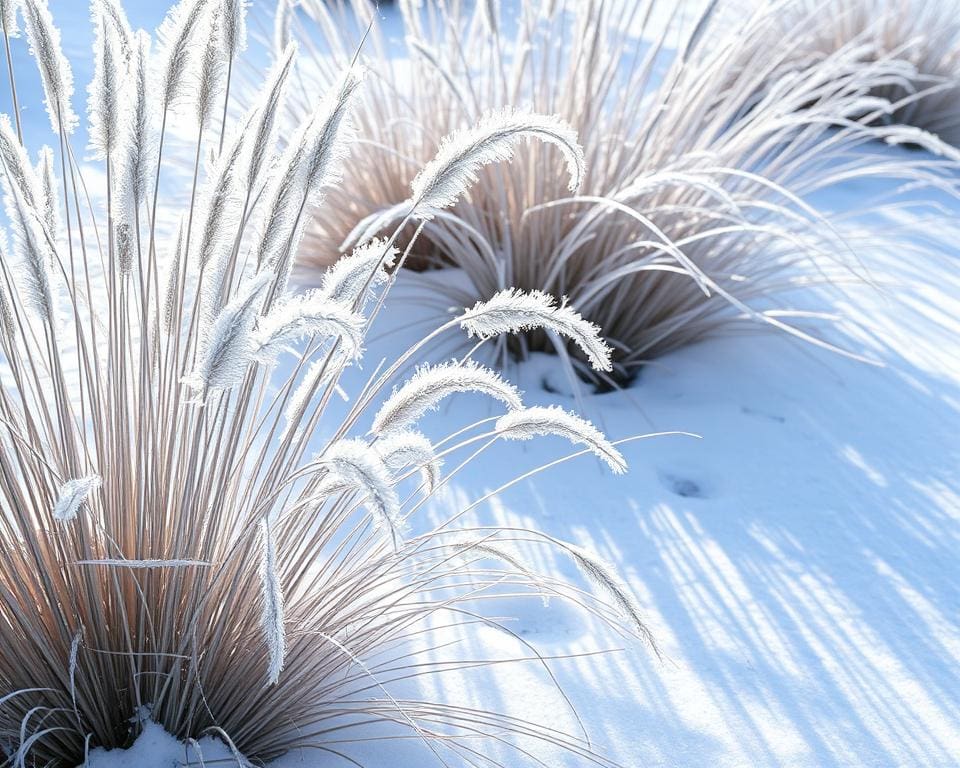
(155, 748)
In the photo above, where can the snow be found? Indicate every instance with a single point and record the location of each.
(156, 747)
(797, 564)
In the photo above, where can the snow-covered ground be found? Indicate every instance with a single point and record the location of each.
(798, 564)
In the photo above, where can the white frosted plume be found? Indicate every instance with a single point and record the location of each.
(431, 384)
(229, 345)
(73, 495)
(493, 139)
(513, 311)
(355, 465)
(526, 423)
(307, 315)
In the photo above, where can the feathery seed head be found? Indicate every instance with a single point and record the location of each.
(31, 241)
(125, 245)
(8, 17)
(425, 390)
(604, 576)
(229, 345)
(526, 423)
(111, 11)
(224, 198)
(234, 26)
(272, 618)
(170, 317)
(73, 495)
(460, 156)
(310, 163)
(22, 175)
(139, 160)
(407, 448)
(354, 464)
(267, 106)
(107, 89)
(49, 196)
(513, 311)
(55, 72)
(176, 60)
(211, 76)
(366, 265)
(328, 136)
(310, 314)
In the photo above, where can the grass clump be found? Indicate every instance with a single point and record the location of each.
(192, 533)
(690, 216)
(923, 35)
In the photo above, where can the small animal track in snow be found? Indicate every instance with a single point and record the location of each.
(548, 385)
(682, 486)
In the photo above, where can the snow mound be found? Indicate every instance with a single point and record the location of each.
(155, 748)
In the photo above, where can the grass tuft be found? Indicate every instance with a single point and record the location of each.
(191, 532)
(700, 148)
(925, 35)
